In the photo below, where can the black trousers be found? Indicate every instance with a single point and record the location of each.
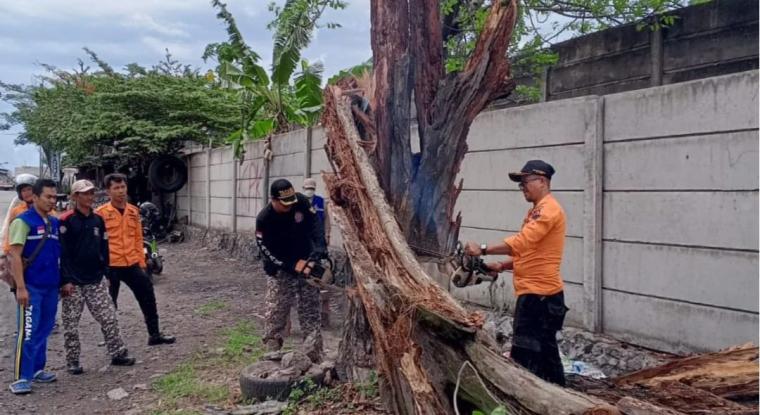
(534, 343)
(141, 287)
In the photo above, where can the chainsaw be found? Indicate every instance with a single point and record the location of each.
(468, 269)
(317, 272)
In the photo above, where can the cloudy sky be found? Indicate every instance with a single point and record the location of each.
(121, 32)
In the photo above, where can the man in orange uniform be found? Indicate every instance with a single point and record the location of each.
(126, 255)
(536, 253)
(24, 183)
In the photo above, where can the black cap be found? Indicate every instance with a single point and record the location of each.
(538, 167)
(283, 191)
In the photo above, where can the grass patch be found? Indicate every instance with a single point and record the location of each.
(243, 344)
(210, 307)
(185, 382)
(209, 376)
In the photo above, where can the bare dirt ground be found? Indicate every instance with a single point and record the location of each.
(201, 295)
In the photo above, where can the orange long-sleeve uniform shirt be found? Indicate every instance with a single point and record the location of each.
(537, 249)
(125, 238)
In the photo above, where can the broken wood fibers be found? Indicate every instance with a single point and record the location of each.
(421, 334)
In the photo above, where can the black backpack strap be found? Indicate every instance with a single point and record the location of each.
(39, 246)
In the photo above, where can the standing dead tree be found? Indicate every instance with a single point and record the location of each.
(407, 45)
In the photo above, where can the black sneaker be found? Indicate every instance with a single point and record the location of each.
(74, 369)
(160, 339)
(123, 361)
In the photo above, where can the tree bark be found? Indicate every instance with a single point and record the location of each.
(391, 103)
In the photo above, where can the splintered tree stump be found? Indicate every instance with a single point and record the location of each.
(421, 335)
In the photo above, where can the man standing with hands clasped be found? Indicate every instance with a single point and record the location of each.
(126, 255)
(84, 262)
(536, 253)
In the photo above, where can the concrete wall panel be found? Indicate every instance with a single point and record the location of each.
(489, 169)
(288, 143)
(252, 169)
(221, 172)
(221, 188)
(318, 138)
(707, 219)
(722, 103)
(533, 125)
(198, 174)
(724, 162)
(287, 165)
(251, 188)
(221, 205)
(705, 276)
(254, 149)
(249, 207)
(319, 162)
(675, 326)
(219, 221)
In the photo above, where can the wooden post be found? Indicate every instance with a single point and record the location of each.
(593, 210)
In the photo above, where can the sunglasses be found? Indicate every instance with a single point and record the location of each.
(526, 181)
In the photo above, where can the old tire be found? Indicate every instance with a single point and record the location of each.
(158, 266)
(167, 173)
(254, 386)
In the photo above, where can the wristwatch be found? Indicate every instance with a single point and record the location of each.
(483, 249)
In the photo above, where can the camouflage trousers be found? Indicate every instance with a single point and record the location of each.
(103, 311)
(282, 292)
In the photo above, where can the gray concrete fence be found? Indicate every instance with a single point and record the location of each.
(660, 188)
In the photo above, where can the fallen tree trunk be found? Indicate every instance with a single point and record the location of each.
(423, 338)
(731, 373)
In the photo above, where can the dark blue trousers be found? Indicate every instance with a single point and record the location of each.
(35, 323)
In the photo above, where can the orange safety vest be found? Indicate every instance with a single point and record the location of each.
(125, 238)
(15, 212)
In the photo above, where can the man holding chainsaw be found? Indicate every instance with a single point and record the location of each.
(292, 243)
(536, 253)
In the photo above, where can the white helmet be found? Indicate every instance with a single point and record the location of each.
(24, 179)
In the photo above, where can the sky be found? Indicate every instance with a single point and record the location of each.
(122, 32)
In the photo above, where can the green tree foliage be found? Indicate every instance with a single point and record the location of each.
(108, 117)
(542, 22)
(276, 103)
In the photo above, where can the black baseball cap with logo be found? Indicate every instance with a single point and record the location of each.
(538, 167)
(283, 191)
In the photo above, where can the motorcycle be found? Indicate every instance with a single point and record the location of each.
(151, 222)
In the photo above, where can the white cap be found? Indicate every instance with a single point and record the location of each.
(309, 183)
(81, 186)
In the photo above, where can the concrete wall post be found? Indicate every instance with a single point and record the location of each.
(234, 192)
(593, 210)
(208, 187)
(189, 189)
